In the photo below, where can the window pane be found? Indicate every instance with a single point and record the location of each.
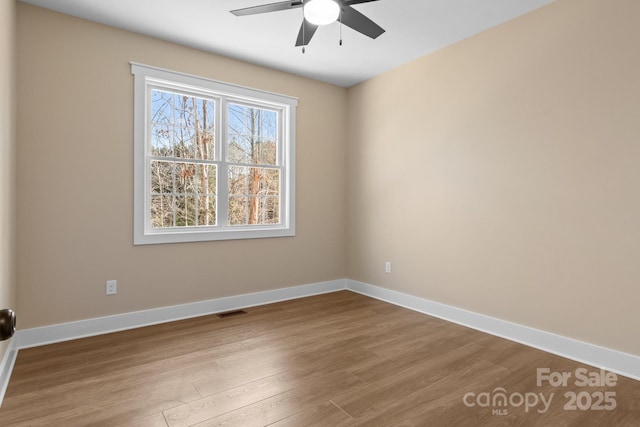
(269, 212)
(185, 178)
(190, 194)
(252, 135)
(254, 210)
(207, 179)
(182, 125)
(271, 181)
(238, 180)
(206, 193)
(161, 177)
(163, 105)
(254, 181)
(204, 121)
(161, 140)
(185, 211)
(238, 210)
(207, 209)
(254, 195)
(161, 211)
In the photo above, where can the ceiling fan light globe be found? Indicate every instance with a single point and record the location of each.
(321, 12)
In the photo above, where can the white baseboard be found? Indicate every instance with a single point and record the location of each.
(6, 366)
(44, 335)
(103, 325)
(621, 363)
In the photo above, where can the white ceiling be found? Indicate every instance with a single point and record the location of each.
(414, 28)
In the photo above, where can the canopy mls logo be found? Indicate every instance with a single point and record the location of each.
(499, 400)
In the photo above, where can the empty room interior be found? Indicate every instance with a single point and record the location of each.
(416, 213)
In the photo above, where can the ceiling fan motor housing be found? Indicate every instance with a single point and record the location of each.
(321, 12)
(327, 11)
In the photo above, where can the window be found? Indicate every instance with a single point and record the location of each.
(213, 161)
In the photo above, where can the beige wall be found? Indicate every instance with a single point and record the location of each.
(75, 175)
(501, 174)
(498, 175)
(7, 159)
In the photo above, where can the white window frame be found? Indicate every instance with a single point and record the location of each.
(147, 78)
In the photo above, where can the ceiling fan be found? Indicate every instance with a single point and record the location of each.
(320, 12)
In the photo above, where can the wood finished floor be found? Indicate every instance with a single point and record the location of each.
(338, 359)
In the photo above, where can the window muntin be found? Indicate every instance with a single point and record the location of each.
(211, 162)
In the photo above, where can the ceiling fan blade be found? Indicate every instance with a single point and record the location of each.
(272, 7)
(352, 2)
(356, 20)
(307, 29)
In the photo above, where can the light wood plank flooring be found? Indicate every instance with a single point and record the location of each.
(338, 359)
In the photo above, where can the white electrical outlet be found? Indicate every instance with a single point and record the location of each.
(387, 267)
(112, 287)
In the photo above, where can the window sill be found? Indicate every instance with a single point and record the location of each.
(187, 236)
